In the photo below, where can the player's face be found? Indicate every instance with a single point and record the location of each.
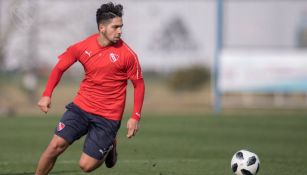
(112, 31)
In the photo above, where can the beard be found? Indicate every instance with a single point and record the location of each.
(111, 40)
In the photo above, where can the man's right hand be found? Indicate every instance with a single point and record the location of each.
(44, 103)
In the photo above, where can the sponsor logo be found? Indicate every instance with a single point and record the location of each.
(113, 57)
(60, 126)
(138, 114)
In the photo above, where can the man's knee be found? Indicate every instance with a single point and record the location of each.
(57, 146)
(88, 164)
(87, 167)
(56, 149)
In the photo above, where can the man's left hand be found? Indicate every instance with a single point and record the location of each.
(133, 127)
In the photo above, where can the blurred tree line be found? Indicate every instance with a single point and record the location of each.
(189, 79)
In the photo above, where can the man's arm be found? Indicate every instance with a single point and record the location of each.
(139, 91)
(54, 78)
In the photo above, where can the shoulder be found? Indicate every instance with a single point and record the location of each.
(82, 45)
(87, 41)
(127, 50)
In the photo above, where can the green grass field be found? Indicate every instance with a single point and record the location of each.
(170, 145)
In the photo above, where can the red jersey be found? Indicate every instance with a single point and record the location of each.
(107, 69)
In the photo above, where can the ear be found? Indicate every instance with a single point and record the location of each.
(101, 28)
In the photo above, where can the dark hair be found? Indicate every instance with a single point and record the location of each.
(108, 11)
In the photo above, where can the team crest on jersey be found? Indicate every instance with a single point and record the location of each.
(60, 126)
(113, 57)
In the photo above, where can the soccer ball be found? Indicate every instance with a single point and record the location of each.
(245, 162)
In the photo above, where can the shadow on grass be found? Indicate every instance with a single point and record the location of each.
(32, 173)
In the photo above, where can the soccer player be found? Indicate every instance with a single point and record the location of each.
(97, 109)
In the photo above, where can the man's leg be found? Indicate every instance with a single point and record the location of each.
(48, 158)
(92, 156)
(88, 163)
(98, 142)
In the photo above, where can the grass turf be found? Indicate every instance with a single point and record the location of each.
(170, 145)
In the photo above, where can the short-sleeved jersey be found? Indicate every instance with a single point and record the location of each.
(107, 69)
